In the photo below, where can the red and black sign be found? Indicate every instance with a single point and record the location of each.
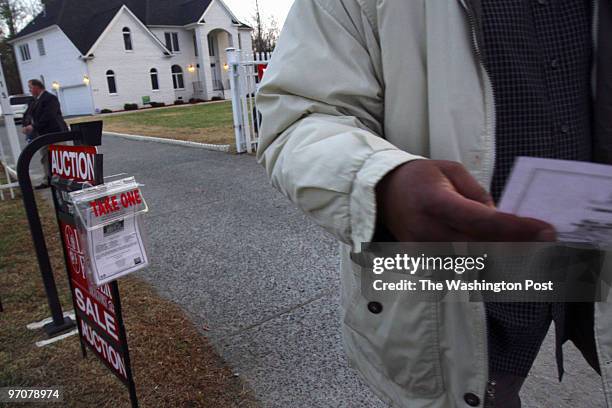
(73, 162)
(97, 309)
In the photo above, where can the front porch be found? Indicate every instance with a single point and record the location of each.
(212, 69)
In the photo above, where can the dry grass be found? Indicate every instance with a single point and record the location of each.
(218, 136)
(204, 123)
(174, 366)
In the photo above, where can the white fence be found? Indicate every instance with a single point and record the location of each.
(245, 70)
(5, 161)
(10, 148)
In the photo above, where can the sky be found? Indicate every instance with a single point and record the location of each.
(245, 9)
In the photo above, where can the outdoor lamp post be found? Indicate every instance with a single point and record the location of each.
(86, 79)
(55, 85)
(191, 68)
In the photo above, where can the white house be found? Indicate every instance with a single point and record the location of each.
(102, 54)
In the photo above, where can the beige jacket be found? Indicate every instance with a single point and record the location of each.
(356, 88)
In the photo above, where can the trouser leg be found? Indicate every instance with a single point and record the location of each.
(44, 160)
(503, 391)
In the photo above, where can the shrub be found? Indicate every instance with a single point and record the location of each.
(195, 100)
(130, 106)
(179, 102)
(157, 104)
(106, 111)
(217, 98)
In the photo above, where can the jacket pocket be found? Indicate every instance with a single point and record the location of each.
(401, 342)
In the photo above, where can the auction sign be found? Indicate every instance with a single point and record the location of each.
(97, 308)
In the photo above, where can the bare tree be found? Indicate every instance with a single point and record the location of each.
(266, 31)
(14, 15)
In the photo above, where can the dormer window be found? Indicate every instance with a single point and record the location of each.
(127, 39)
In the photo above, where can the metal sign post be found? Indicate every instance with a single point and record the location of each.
(59, 323)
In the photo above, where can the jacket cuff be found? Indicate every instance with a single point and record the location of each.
(363, 196)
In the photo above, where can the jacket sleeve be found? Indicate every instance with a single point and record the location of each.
(49, 110)
(27, 115)
(322, 106)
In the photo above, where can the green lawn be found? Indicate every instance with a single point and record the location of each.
(204, 123)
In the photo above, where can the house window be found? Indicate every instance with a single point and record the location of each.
(25, 52)
(172, 42)
(127, 39)
(177, 77)
(154, 79)
(195, 45)
(112, 83)
(41, 47)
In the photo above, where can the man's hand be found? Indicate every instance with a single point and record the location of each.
(439, 201)
(27, 130)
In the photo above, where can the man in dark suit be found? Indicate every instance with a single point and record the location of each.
(42, 117)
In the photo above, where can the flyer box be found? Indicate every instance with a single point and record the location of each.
(109, 223)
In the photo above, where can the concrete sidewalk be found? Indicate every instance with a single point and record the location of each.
(262, 280)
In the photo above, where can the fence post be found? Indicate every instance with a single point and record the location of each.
(9, 118)
(233, 59)
(9, 183)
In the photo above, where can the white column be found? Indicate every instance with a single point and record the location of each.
(233, 59)
(226, 41)
(204, 61)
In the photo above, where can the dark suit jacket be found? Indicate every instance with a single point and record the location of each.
(45, 115)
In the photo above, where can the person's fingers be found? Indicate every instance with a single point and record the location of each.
(484, 223)
(439, 232)
(464, 183)
(428, 229)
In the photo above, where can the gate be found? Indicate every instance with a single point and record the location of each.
(10, 148)
(245, 73)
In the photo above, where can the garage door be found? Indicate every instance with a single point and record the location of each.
(76, 101)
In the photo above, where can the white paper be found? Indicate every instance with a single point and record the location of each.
(575, 197)
(116, 250)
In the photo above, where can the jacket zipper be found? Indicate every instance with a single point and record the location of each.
(489, 88)
(489, 401)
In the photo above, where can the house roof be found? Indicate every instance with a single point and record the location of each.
(83, 21)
